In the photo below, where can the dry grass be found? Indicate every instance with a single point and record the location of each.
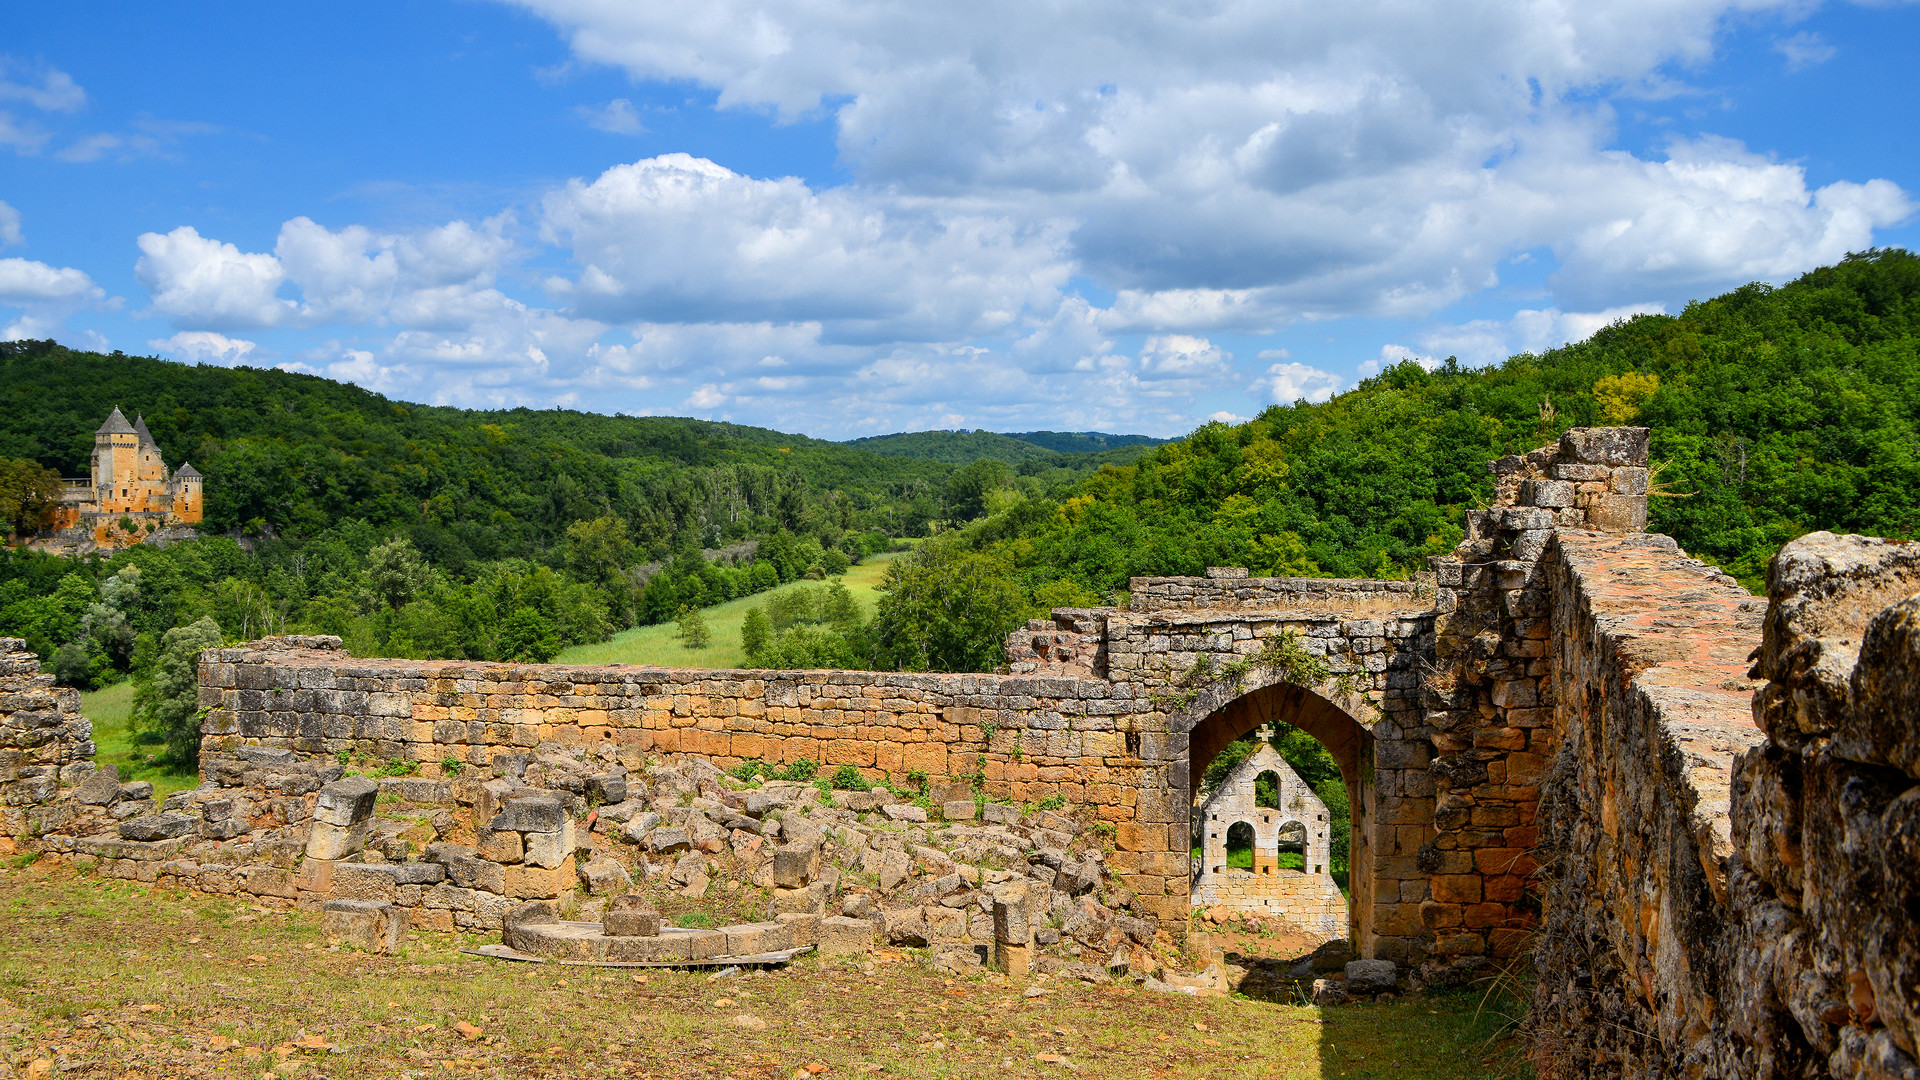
(111, 978)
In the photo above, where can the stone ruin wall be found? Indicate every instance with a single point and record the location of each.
(1729, 864)
(1651, 709)
(1490, 694)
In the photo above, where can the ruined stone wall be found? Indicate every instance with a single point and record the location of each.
(42, 736)
(993, 736)
(1825, 875)
(1228, 588)
(1490, 697)
(1651, 708)
(1310, 902)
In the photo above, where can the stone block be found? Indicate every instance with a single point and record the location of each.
(795, 864)
(812, 899)
(1371, 976)
(152, 827)
(844, 936)
(643, 949)
(668, 839)
(1628, 481)
(100, 789)
(538, 882)
(356, 881)
(549, 849)
(1618, 513)
(532, 813)
(367, 925)
(499, 845)
(346, 802)
(1000, 814)
(1553, 493)
(1010, 922)
(959, 810)
(1456, 888)
(904, 812)
(606, 789)
(1612, 446)
(603, 876)
(703, 944)
(471, 872)
(803, 927)
(751, 939)
(417, 873)
(333, 842)
(630, 923)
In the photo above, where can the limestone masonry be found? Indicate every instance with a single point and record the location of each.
(1558, 747)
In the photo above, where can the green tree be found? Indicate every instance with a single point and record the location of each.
(694, 633)
(947, 609)
(396, 573)
(967, 487)
(755, 631)
(29, 495)
(528, 637)
(805, 647)
(166, 699)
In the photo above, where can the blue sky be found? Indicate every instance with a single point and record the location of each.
(851, 217)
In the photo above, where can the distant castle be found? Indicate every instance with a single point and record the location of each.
(131, 496)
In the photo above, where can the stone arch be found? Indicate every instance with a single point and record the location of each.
(1226, 711)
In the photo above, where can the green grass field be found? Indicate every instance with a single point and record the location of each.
(660, 645)
(110, 711)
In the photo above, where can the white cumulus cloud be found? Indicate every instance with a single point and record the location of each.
(204, 347)
(203, 283)
(682, 238)
(1288, 382)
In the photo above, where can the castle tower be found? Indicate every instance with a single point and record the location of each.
(185, 488)
(116, 464)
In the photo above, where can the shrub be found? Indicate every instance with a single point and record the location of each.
(801, 770)
(848, 778)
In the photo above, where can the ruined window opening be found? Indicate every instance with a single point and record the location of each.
(1240, 846)
(1266, 790)
(1291, 851)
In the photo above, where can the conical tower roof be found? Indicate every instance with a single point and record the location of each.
(187, 470)
(140, 429)
(116, 424)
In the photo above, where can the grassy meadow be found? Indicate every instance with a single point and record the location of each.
(661, 645)
(111, 712)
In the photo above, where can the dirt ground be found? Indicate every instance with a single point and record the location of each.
(115, 979)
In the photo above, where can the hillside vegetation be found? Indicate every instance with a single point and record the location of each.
(1029, 451)
(1773, 412)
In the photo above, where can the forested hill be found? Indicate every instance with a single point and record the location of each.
(1773, 412)
(1031, 448)
(285, 452)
